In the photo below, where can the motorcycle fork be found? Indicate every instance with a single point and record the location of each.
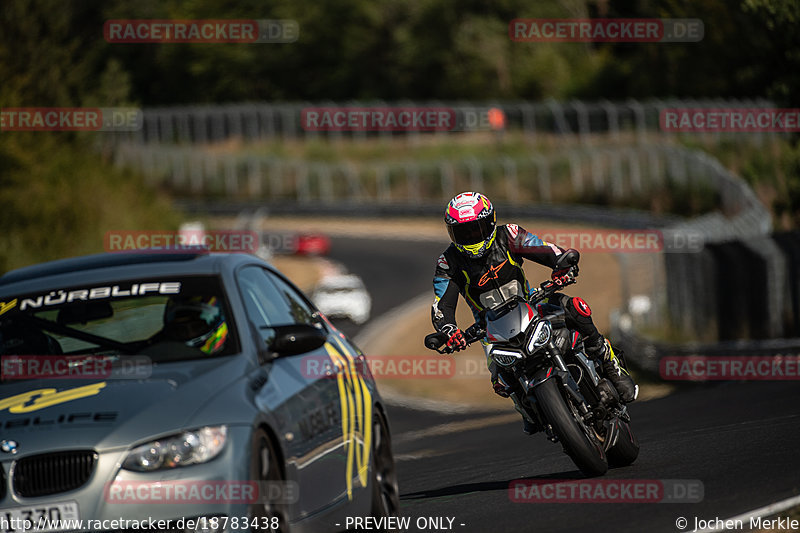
(601, 396)
(558, 369)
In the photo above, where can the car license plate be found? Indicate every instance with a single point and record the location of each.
(40, 518)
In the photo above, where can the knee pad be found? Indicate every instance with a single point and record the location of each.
(580, 315)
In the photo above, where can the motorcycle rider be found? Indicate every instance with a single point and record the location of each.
(484, 264)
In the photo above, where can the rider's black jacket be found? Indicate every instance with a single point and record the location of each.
(490, 279)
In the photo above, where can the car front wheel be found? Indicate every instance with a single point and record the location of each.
(267, 471)
(385, 492)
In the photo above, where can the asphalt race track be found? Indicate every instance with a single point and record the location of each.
(393, 271)
(740, 440)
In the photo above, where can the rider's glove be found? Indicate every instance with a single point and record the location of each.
(566, 268)
(563, 276)
(457, 342)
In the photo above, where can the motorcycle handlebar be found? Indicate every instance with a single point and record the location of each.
(475, 332)
(435, 341)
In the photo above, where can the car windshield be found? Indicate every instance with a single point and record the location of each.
(171, 319)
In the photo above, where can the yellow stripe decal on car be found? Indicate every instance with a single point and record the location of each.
(41, 398)
(356, 404)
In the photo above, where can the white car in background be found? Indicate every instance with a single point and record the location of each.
(343, 295)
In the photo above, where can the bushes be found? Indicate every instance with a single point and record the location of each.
(58, 198)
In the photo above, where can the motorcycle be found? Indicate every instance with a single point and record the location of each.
(557, 388)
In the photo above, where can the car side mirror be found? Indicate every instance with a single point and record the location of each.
(296, 339)
(280, 341)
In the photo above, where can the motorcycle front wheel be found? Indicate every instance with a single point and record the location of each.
(626, 449)
(585, 450)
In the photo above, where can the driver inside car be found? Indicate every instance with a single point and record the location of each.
(196, 321)
(484, 264)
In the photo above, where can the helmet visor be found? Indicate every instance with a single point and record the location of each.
(472, 232)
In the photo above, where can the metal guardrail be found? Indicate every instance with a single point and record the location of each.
(647, 354)
(587, 214)
(638, 119)
(619, 174)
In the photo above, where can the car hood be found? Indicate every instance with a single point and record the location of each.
(44, 415)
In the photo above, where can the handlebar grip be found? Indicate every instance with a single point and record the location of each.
(435, 340)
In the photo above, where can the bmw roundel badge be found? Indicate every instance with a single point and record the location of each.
(9, 446)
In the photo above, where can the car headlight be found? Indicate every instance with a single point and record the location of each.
(187, 448)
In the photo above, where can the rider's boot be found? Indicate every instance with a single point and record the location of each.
(528, 427)
(502, 389)
(600, 349)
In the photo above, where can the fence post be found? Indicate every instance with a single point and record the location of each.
(254, 177)
(583, 121)
(557, 111)
(178, 168)
(528, 121)
(635, 170)
(617, 188)
(598, 178)
(511, 181)
(288, 125)
(382, 184)
(641, 122)
(303, 183)
(543, 177)
(475, 174)
(353, 183)
(231, 176)
(576, 175)
(217, 125)
(612, 119)
(412, 182)
(448, 179)
(325, 177)
(196, 170)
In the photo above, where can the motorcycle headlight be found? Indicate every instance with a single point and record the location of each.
(187, 448)
(540, 336)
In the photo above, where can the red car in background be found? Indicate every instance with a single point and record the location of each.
(312, 244)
